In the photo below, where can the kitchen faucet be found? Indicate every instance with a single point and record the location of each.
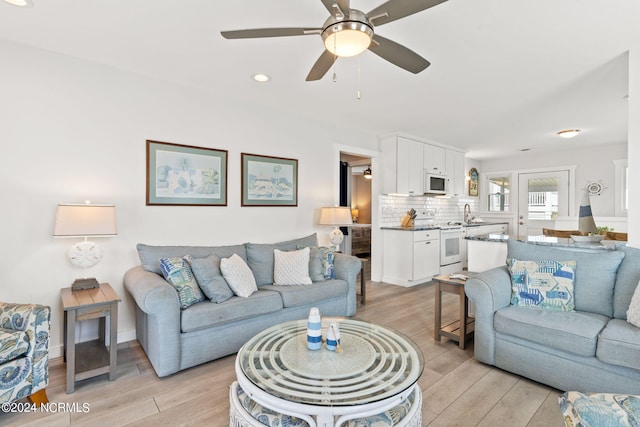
(467, 212)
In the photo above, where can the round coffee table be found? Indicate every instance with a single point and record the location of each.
(376, 369)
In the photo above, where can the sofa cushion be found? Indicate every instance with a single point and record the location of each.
(150, 255)
(291, 267)
(206, 314)
(209, 277)
(238, 275)
(542, 284)
(626, 280)
(595, 272)
(619, 344)
(260, 256)
(571, 331)
(178, 272)
(13, 344)
(294, 296)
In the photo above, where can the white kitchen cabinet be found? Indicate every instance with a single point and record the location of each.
(455, 172)
(402, 166)
(479, 230)
(435, 159)
(410, 257)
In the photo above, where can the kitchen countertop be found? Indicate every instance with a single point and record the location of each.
(439, 226)
(549, 241)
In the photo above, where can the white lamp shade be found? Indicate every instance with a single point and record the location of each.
(85, 220)
(336, 215)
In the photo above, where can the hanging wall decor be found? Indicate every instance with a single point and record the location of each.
(473, 182)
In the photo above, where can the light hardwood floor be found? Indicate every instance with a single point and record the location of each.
(458, 391)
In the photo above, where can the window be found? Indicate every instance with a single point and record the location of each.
(498, 193)
(622, 187)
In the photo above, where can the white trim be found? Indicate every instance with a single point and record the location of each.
(621, 187)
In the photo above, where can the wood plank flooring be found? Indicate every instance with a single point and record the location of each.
(458, 391)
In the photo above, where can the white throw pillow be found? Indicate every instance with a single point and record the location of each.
(291, 268)
(238, 275)
(633, 314)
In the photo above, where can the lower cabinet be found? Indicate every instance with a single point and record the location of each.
(410, 257)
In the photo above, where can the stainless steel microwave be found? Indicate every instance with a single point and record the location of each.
(436, 184)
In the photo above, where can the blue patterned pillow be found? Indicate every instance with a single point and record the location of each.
(542, 284)
(320, 263)
(177, 272)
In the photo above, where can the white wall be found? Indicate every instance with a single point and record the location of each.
(634, 145)
(72, 130)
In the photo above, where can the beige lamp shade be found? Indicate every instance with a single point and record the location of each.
(85, 220)
(335, 215)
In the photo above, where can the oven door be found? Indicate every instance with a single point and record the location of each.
(450, 246)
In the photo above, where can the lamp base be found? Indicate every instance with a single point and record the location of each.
(86, 283)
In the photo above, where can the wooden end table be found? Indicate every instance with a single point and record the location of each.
(89, 359)
(363, 280)
(461, 329)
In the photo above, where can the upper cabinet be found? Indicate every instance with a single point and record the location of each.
(402, 166)
(456, 172)
(405, 162)
(435, 160)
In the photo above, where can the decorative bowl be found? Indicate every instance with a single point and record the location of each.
(587, 239)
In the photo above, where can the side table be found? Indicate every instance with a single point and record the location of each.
(89, 359)
(461, 329)
(363, 280)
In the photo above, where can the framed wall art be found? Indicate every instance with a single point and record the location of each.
(185, 175)
(269, 181)
(473, 182)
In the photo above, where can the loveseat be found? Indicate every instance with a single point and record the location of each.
(176, 338)
(590, 349)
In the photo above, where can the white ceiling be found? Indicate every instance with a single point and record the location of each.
(505, 74)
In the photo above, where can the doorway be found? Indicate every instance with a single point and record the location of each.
(542, 197)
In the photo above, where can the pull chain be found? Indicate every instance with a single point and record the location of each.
(358, 95)
(335, 58)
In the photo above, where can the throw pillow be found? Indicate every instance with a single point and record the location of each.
(542, 284)
(177, 272)
(238, 275)
(633, 314)
(291, 268)
(210, 279)
(320, 263)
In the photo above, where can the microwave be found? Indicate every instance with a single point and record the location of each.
(436, 184)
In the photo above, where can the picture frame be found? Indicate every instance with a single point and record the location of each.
(185, 175)
(269, 181)
(473, 182)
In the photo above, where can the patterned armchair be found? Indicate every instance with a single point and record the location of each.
(24, 352)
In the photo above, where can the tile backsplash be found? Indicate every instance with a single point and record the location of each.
(394, 208)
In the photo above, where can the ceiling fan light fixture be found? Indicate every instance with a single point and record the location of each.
(20, 3)
(347, 38)
(568, 133)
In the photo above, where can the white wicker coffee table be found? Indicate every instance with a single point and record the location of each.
(376, 370)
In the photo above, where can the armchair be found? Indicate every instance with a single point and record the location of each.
(24, 352)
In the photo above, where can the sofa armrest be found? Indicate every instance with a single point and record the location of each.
(489, 291)
(157, 318)
(347, 267)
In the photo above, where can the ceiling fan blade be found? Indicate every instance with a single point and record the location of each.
(321, 66)
(396, 9)
(269, 32)
(398, 55)
(342, 4)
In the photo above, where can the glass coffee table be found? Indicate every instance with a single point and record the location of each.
(376, 369)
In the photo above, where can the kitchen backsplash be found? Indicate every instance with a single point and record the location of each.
(394, 208)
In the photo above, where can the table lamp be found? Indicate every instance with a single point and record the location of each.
(84, 221)
(336, 216)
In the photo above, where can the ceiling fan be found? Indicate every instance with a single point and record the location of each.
(349, 32)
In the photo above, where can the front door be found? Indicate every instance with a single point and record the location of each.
(543, 196)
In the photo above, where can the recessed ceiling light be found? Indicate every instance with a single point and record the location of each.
(20, 3)
(260, 77)
(569, 133)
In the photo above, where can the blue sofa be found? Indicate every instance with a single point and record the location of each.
(176, 339)
(591, 349)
